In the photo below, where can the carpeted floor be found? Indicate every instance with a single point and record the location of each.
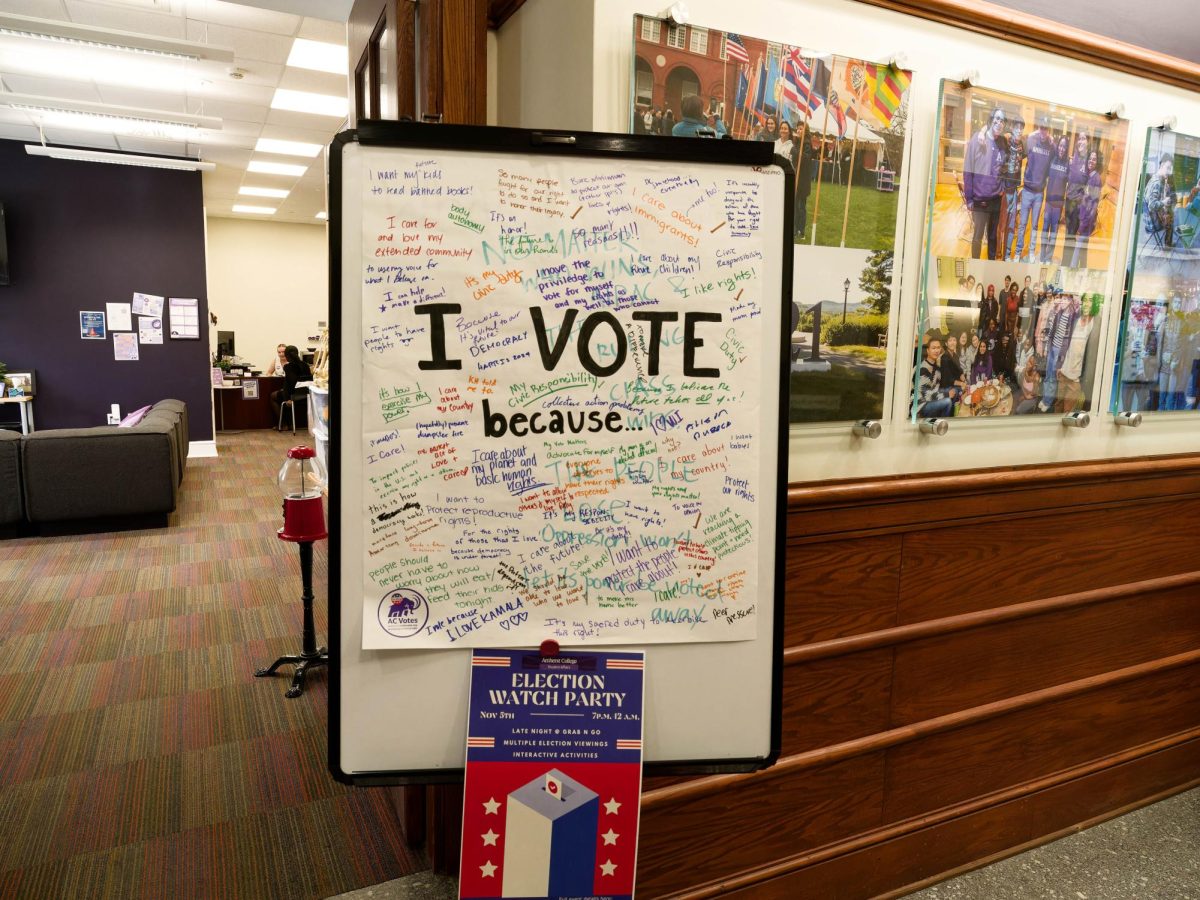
(139, 757)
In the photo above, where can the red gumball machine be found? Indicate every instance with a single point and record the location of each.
(302, 481)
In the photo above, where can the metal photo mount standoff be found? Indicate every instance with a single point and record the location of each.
(937, 427)
(868, 428)
(1128, 419)
(1077, 419)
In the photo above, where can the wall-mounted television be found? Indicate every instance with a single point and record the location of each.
(4, 277)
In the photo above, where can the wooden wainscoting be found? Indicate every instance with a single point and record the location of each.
(974, 664)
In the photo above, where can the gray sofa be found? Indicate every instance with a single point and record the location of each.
(12, 509)
(104, 477)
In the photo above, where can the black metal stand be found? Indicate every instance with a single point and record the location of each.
(311, 656)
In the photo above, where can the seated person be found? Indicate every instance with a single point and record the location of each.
(932, 399)
(274, 369)
(295, 370)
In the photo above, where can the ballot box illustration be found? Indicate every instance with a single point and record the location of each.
(550, 838)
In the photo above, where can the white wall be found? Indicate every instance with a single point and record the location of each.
(267, 283)
(544, 66)
(933, 52)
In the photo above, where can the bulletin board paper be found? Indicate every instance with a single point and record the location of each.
(561, 396)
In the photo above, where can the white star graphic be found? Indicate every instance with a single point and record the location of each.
(491, 807)
(488, 869)
(612, 806)
(608, 867)
(489, 839)
(610, 837)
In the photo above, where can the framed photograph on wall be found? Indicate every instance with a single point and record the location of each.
(1023, 201)
(19, 384)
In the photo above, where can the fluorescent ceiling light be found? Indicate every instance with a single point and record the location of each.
(69, 33)
(263, 192)
(319, 56)
(305, 102)
(127, 120)
(322, 215)
(287, 148)
(122, 159)
(275, 168)
(260, 210)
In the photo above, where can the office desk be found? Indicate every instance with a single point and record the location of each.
(26, 406)
(237, 413)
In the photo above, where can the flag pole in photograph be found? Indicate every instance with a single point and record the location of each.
(820, 170)
(850, 179)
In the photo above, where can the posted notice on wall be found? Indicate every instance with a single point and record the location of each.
(563, 371)
(553, 775)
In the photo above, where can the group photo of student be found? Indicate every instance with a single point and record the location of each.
(1009, 346)
(1025, 180)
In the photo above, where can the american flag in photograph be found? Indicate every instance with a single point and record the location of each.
(625, 664)
(628, 745)
(503, 662)
(481, 741)
(735, 49)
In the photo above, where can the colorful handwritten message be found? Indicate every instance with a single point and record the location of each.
(565, 368)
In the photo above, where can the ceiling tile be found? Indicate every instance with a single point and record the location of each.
(143, 99)
(236, 15)
(68, 137)
(323, 30)
(12, 131)
(125, 18)
(318, 127)
(294, 79)
(154, 148)
(246, 44)
(226, 109)
(52, 87)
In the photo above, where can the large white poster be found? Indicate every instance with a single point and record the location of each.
(566, 365)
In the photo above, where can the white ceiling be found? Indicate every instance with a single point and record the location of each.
(260, 38)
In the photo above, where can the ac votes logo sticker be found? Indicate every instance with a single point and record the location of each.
(403, 612)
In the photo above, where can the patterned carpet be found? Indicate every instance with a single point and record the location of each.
(139, 757)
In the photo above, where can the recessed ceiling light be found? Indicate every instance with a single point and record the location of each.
(305, 102)
(260, 210)
(71, 34)
(275, 168)
(322, 215)
(287, 148)
(127, 120)
(121, 159)
(280, 193)
(319, 56)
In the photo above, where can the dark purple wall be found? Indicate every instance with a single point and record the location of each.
(1168, 26)
(82, 234)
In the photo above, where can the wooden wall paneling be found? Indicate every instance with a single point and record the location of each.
(695, 839)
(950, 767)
(429, 39)
(900, 859)
(828, 701)
(959, 569)
(840, 588)
(1029, 654)
(874, 505)
(404, 61)
(463, 48)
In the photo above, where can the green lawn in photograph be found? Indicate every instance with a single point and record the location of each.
(839, 395)
(866, 354)
(872, 222)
